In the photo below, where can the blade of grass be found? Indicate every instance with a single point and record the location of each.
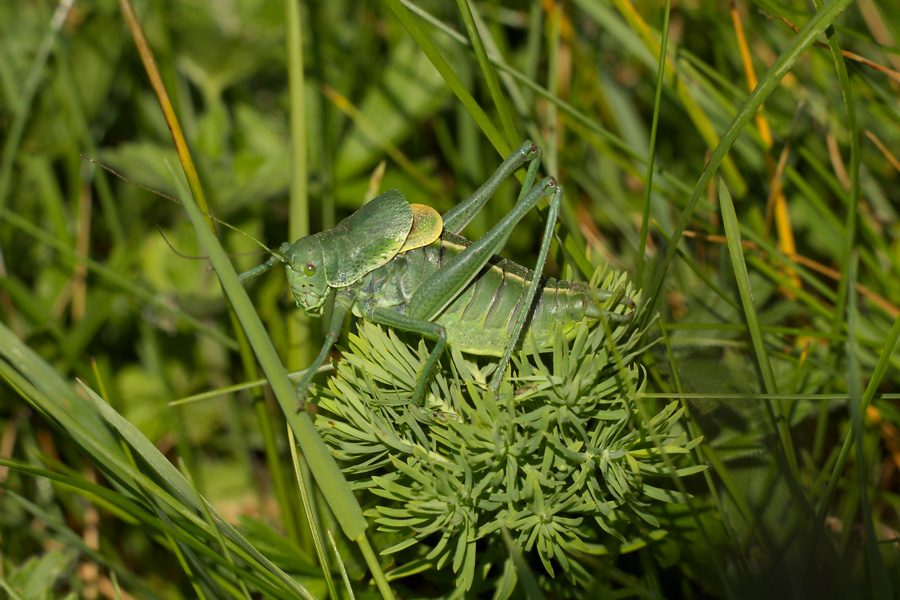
(849, 229)
(299, 198)
(312, 516)
(881, 587)
(777, 411)
(490, 76)
(324, 468)
(190, 172)
(452, 79)
(331, 481)
(651, 154)
(343, 569)
(230, 389)
(300, 330)
(12, 594)
(785, 62)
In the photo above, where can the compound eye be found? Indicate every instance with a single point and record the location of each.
(309, 269)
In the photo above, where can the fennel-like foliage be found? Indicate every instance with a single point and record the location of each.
(560, 458)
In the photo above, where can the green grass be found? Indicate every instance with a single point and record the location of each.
(738, 441)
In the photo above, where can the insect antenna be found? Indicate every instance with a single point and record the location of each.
(173, 249)
(188, 257)
(179, 202)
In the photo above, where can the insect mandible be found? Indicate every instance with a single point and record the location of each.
(405, 266)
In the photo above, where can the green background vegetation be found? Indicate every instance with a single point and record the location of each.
(773, 319)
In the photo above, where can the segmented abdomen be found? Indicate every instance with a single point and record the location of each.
(481, 318)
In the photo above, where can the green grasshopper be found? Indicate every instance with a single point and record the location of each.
(405, 266)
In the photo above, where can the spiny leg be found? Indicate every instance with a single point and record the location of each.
(424, 328)
(342, 303)
(613, 299)
(443, 286)
(532, 289)
(530, 174)
(605, 303)
(260, 269)
(459, 216)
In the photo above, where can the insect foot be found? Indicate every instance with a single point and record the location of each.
(300, 403)
(619, 297)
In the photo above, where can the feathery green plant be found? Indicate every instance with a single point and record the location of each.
(764, 340)
(559, 457)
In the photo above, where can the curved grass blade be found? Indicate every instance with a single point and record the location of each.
(89, 422)
(323, 466)
(651, 153)
(785, 62)
(778, 411)
(881, 587)
(490, 76)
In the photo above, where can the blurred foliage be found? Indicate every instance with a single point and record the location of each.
(143, 325)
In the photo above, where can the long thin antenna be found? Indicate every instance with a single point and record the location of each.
(177, 253)
(189, 257)
(179, 202)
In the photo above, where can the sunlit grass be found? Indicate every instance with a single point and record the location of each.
(773, 174)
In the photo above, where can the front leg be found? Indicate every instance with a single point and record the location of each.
(343, 300)
(424, 328)
(272, 261)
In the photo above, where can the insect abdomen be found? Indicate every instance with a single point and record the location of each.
(481, 318)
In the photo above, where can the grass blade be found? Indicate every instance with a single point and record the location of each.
(452, 79)
(881, 587)
(490, 76)
(785, 62)
(778, 411)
